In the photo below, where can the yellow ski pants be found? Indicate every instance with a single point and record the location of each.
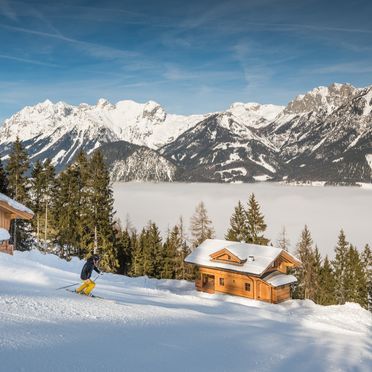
(87, 287)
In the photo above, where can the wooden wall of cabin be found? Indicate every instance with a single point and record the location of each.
(4, 220)
(235, 284)
(282, 293)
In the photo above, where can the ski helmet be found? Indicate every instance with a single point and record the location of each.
(96, 257)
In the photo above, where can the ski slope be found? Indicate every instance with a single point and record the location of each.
(164, 325)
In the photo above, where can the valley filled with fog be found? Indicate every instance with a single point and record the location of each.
(324, 209)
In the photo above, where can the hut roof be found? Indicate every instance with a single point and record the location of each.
(255, 259)
(15, 207)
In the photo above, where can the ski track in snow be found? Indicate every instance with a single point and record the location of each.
(164, 325)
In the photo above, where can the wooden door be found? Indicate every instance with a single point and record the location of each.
(208, 282)
(263, 292)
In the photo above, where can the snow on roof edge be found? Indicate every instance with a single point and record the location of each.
(14, 204)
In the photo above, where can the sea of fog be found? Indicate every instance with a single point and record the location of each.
(324, 209)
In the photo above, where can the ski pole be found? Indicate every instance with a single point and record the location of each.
(67, 286)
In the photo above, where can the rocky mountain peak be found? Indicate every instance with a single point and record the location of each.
(103, 103)
(324, 99)
(154, 112)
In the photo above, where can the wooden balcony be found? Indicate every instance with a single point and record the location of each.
(6, 248)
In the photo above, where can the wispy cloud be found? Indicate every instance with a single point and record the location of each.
(356, 67)
(28, 61)
(95, 50)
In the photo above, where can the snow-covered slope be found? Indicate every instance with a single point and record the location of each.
(164, 325)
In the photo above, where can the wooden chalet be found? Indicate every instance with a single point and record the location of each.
(9, 210)
(248, 270)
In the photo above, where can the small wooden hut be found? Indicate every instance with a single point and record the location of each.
(9, 210)
(248, 270)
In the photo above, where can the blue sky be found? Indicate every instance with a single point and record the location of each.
(190, 56)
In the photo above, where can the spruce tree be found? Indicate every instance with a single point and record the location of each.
(37, 189)
(17, 167)
(238, 230)
(283, 242)
(339, 265)
(101, 219)
(48, 191)
(367, 266)
(307, 273)
(327, 284)
(200, 225)
(171, 248)
(3, 179)
(355, 279)
(66, 213)
(153, 260)
(255, 223)
(125, 249)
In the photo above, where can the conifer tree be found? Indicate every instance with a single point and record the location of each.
(171, 247)
(66, 213)
(3, 179)
(283, 242)
(37, 187)
(327, 284)
(200, 225)
(255, 223)
(355, 279)
(153, 252)
(102, 213)
(306, 274)
(125, 251)
(367, 266)
(17, 167)
(238, 230)
(137, 267)
(339, 265)
(48, 191)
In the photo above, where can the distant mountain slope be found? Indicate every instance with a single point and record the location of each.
(129, 162)
(325, 135)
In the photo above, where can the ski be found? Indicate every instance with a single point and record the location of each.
(82, 294)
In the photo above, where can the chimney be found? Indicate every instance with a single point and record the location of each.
(250, 258)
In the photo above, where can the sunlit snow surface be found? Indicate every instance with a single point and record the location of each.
(151, 325)
(324, 209)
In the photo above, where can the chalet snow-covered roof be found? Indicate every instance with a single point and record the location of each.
(276, 279)
(14, 204)
(4, 234)
(263, 256)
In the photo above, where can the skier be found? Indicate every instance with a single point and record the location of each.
(88, 284)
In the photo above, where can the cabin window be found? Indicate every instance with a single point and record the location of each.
(247, 287)
(222, 282)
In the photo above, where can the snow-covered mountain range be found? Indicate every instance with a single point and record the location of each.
(323, 135)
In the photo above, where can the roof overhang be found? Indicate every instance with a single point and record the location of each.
(15, 213)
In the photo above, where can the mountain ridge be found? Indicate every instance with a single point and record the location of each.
(324, 134)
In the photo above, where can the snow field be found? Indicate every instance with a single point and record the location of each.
(164, 325)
